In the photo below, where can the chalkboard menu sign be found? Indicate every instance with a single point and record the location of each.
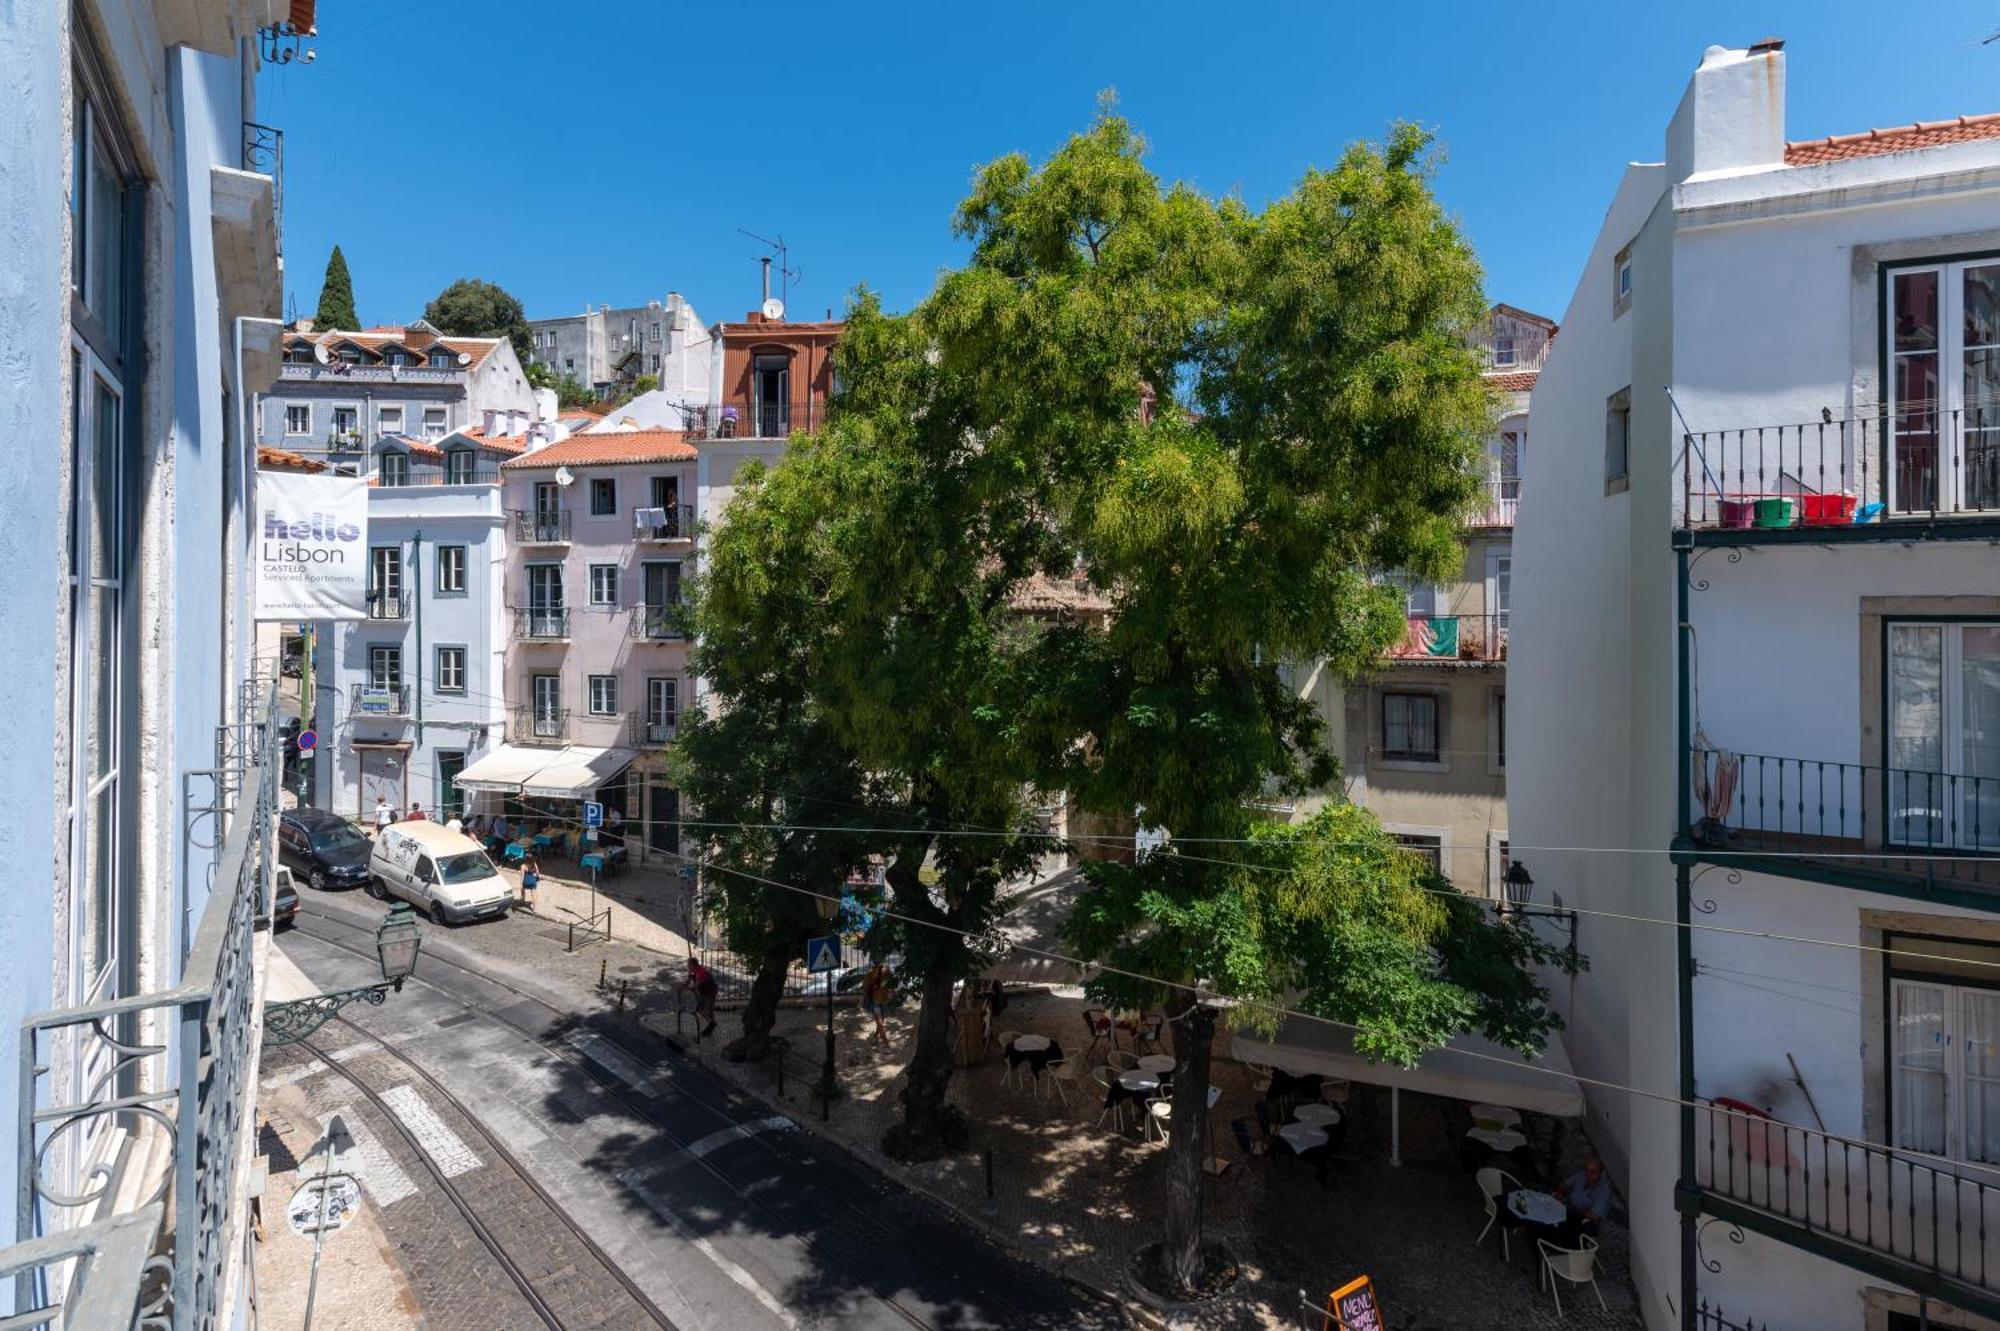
(1352, 1307)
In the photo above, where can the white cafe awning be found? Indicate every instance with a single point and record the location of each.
(503, 771)
(576, 772)
(1469, 1068)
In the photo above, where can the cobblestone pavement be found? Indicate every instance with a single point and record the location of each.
(456, 1279)
(362, 1286)
(1081, 1197)
(722, 1212)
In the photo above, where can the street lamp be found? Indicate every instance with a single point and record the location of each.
(397, 943)
(1519, 888)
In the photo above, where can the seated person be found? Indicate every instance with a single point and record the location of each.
(1587, 1195)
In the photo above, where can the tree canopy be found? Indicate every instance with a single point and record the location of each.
(472, 307)
(336, 296)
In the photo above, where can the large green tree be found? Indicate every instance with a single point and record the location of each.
(336, 296)
(473, 307)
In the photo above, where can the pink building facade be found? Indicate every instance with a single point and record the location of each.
(601, 536)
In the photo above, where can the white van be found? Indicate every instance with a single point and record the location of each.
(443, 873)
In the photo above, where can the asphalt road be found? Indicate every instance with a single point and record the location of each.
(719, 1212)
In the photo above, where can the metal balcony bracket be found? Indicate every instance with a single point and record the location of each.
(1735, 556)
(288, 1023)
(1734, 1234)
(1706, 905)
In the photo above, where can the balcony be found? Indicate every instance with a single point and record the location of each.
(1503, 497)
(1931, 834)
(1919, 1220)
(659, 623)
(1921, 473)
(541, 624)
(1452, 639)
(168, 1077)
(758, 420)
(539, 725)
(430, 475)
(541, 528)
(387, 605)
(675, 522)
(653, 732)
(375, 700)
(264, 153)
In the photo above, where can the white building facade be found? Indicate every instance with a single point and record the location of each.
(416, 690)
(1757, 657)
(140, 279)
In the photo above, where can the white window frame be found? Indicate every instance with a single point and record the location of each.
(385, 581)
(389, 420)
(1952, 413)
(451, 565)
(448, 672)
(601, 695)
(392, 469)
(607, 486)
(437, 422)
(1504, 353)
(458, 460)
(665, 688)
(385, 666)
(292, 418)
(1952, 1038)
(1954, 825)
(1441, 726)
(1405, 833)
(604, 584)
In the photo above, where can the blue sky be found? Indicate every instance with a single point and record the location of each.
(608, 150)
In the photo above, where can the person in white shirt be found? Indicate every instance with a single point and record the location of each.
(384, 815)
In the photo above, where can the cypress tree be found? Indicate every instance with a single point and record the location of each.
(336, 297)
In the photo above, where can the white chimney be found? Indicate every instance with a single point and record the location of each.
(545, 404)
(487, 418)
(1732, 117)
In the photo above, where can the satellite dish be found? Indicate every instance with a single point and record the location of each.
(563, 477)
(464, 358)
(321, 354)
(774, 308)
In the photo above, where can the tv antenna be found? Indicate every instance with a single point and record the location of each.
(787, 275)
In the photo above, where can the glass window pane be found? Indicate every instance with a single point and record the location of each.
(105, 553)
(1916, 732)
(1916, 310)
(105, 286)
(102, 741)
(1982, 305)
(1919, 1069)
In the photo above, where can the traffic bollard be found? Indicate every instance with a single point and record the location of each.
(992, 1205)
(601, 966)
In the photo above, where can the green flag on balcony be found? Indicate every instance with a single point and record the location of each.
(1441, 636)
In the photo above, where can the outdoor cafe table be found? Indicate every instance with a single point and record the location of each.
(1037, 1051)
(1531, 1207)
(1302, 1137)
(1317, 1115)
(517, 851)
(1157, 1063)
(1135, 1085)
(1500, 1139)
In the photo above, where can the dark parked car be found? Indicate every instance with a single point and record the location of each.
(327, 849)
(284, 898)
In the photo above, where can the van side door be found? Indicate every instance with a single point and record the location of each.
(426, 880)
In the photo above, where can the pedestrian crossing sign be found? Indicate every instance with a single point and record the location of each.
(822, 954)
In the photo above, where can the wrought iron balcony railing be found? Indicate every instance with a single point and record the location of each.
(1899, 823)
(1503, 498)
(178, 1063)
(755, 420)
(1713, 1319)
(387, 605)
(371, 374)
(674, 522)
(659, 623)
(445, 474)
(379, 700)
(541, 624)
(1917, 462)
(264, 153)
(1453, 638)
(539, 725)
(541, 528)
(650, 731)
(1938, 1216)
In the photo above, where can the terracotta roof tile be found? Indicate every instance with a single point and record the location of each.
(283, 459)
(1897, 139)
(383, 336)
(1517, 381)
(609, 449)
(513, 444)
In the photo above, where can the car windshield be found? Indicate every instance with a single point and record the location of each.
(338, 838)
(467, 868)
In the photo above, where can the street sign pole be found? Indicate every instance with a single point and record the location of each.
(823, 958)
(826, 1087)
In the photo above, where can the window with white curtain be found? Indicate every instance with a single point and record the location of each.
(1944, 1046)
(1943, 768)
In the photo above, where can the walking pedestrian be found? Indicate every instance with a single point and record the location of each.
(384, 815)
(531, 878)
(417, 813)
(877, 988)
(702, 981)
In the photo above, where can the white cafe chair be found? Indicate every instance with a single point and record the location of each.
(1577, 1266)
(1493, 1185)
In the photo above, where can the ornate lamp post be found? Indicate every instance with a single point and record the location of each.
(397, 944)
(1519, 887)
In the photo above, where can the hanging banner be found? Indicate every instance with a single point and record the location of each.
(311, 551)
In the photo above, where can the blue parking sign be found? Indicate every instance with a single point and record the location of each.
(593, 814)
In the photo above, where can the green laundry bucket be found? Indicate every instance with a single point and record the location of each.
(1776, 512)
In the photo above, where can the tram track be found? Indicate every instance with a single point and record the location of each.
(634, 1105)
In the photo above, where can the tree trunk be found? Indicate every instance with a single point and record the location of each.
(760, 1010)
(921, 1134)
(1188, 1150)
